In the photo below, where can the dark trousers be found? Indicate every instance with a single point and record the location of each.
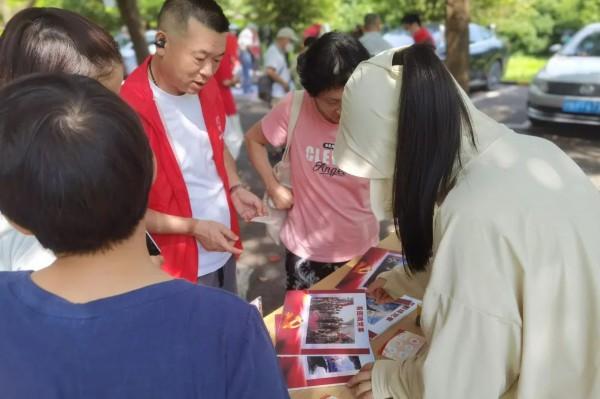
(303, 273)
(224, 278)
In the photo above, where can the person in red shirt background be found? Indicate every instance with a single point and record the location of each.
(226, 78)
(420, 34)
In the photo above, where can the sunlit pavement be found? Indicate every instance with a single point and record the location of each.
(508, 105)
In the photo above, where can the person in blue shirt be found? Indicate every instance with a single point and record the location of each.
(103, 321)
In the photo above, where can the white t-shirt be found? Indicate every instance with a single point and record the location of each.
(274, 58)
(184, 123)
(374, 43)
(245, 39)
(21, 252)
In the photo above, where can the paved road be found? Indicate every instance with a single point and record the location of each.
(582, 143)
(260, 274)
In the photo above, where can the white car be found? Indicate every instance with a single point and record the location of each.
(128, 52)
(567, 89)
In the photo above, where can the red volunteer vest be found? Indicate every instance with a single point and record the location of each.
(169, 193)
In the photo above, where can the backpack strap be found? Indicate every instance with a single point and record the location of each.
(294, 114)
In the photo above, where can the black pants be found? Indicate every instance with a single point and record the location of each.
(303, 273)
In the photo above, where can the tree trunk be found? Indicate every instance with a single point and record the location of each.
(457, 40)
(133, 20)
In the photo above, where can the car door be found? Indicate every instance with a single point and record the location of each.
(478, 53)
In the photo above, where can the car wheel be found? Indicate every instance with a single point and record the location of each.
(494, 76)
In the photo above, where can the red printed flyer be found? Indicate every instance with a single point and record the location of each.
(319, 370)
(323, 323)
(369, 267)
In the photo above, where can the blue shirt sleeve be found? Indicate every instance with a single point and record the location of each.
(252, 367)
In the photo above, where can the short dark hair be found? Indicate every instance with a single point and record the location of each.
(75, 165)
(309, 41)
(411, 18)
(55, 40)
(329, 62)
(371, 19)
(207, 12)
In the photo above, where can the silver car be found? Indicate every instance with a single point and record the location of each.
(567, 89)
(488, 54)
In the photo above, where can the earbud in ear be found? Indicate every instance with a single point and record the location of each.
(160, 43)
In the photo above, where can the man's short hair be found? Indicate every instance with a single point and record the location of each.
(411, 18)
(371, 20)
(75, 165)
(175, 14)
(329, 62)
(55, 40)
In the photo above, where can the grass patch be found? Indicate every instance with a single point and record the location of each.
(522, 68)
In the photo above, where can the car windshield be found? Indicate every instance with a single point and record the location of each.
(586, 45)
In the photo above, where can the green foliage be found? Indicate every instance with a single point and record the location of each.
(530, 26)
(93, 9)
(294, 13)
(351, 12)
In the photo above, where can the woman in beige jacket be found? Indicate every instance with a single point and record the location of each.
(507, 225)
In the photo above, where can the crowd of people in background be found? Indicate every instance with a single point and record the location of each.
(94, 168)
(277, 62)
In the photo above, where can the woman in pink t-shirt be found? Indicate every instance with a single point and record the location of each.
(330, 219)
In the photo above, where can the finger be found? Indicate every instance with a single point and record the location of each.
(372, 291)
(263, 210)
(257, 203)
(249, 215)
(229, 246)
(380, 295)
(367, 395)
(373, 288)
(378, 283)
(362, 376)
(363, 388)
(385, 297)
(228, 234)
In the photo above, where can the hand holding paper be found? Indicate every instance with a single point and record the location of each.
(377, 291)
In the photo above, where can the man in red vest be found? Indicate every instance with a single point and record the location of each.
(197, 190)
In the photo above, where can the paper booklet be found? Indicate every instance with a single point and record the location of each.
(323, 323)
(380, 317)
(376, 261)
(319, 370)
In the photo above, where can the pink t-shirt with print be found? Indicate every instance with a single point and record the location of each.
(331, 220)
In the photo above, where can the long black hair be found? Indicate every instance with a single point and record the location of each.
(430, 127)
